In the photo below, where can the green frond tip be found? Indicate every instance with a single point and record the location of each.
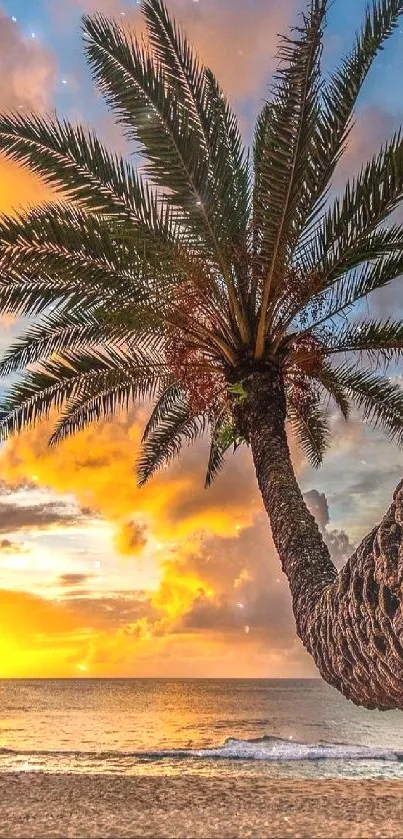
(224, 435)
(239, 392)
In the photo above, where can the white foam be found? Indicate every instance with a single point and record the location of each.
(266, 748)
(282, 750)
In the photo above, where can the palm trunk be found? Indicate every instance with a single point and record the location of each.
(351, 622)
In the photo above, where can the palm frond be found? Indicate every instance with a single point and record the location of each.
(352, 288)
(59, 255)
(153, 113)
(72, 160)
(374, 337)
(379, 399)
(66, 331)
(104, 397)
(58, 379)
(64, 241)
(311, 427)
(56, 332)
(367, 201)
(209, 112)
(288, 133)
(167, 399)
(328, 379)
(176, 425)
(224, 435)
(261, 195)
(312, 290)
(27, 297)
(340, 93)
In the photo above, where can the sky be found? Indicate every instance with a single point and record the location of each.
(98, 578)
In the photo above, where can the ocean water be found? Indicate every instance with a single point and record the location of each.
(273, 728)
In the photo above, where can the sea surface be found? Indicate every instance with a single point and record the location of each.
(273, 728)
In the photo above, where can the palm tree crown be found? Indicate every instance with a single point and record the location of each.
(175, 282)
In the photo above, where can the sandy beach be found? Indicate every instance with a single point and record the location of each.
(45, 805)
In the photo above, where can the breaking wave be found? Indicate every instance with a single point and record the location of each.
(265, 749)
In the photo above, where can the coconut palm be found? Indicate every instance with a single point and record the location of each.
(228, 289)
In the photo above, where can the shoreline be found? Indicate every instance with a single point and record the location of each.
(36, 804)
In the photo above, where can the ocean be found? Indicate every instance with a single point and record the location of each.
(274, 728)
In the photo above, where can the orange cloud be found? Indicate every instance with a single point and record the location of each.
(131, 538)
(97, 465)
(42, 638)
(176, 521)
(220, 583)
(19, 188)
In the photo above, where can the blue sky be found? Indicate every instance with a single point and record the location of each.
(56, 25)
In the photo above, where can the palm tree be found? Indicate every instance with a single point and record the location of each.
(226, 288)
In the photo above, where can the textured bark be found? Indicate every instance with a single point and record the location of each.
(351, 622)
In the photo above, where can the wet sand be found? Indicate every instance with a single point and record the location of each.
(44, 805)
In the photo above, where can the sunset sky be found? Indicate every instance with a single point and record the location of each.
(98, 578)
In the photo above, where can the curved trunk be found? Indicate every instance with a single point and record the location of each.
(351, 622)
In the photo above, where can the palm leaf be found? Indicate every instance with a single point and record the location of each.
(167, 399)
(138, 91)
(352, 288)
(293, 117)
(58, 379)
(72, 159)
(53, 334)
(328, 379)
(154, 115)
(204, 101)
(104, 397)
(304, 297)
(311, 428)
(340, 93)
(59, 255)
(224, 435)
(176, 425)
(373, 337)
(66, 331)
(62, 240)
(367, 201)
(379, 399)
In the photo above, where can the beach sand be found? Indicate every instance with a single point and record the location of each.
(44, 805)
